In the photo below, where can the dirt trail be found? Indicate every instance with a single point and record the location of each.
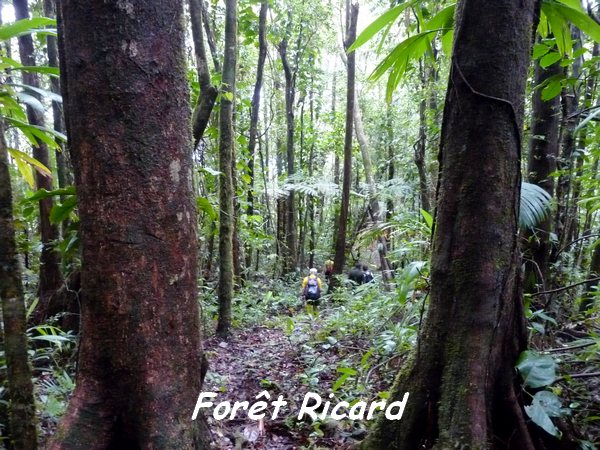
(263, 359)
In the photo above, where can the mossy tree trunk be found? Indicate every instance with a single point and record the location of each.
(139, 367)
(226, 161)
(462, 383)
(23, 434)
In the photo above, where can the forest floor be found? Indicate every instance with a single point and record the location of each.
(266, 359)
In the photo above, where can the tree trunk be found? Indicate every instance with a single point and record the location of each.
(339, 260)
(462, 384)
(23, 435)
(130, 145)
(541, 163)
(226, 151)
(289, 262)
(63, 170)
(255, 110)
(50, 276)
(208, 93)
(421, 145)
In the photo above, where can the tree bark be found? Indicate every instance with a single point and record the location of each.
(462, 384)
(339, 260)
(50, 276)
(130, 145)
(226, 152)
(22, 421)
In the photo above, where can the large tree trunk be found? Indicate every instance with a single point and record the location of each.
(340, 244)
(23, 434)
(541, 163)
(50, 276)
(130, 145)
(462, 381)
(226, 152)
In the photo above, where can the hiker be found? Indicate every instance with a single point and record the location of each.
(367, 274)
(311, 288)
(328, 270)
(356, 274)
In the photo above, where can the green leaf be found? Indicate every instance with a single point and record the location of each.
(31, 101)
(24, 26)
(551, 90)
(537, 370)
(540, 50)
(43, 193)
(535, 205)
(346, 372)
(22, 156)
(61, 211)
(550, 58)
(427, 217)
(378, 24)
(203, 204)
(228, 96)
(576, 16)
(545, 405)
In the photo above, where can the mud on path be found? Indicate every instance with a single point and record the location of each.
(261, 359)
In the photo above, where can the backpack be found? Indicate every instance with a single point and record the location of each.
(368, 277)
(313, 292)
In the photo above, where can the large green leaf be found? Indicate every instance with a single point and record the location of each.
(536, 205)
(387, 18)
(25, 26)
(536, 369)
(545, 404)
(43, 193)
(61, 211)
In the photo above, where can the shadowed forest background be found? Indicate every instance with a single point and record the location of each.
(170, 171)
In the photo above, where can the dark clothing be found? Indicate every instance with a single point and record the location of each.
(357, 275)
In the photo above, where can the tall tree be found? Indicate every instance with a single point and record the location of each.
(340, 243)
(541, 163)
(290, 73)
(23, 434)
(226, 161)
(50, 276)
(130, 145)
(462, 384)
(255, 109)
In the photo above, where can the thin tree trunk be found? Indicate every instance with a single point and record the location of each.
(50, 276)
(130, 145)
(543, 151)
(290, 201)
(63, 169)
(340, 245)
(208, 93)
(22, 421)
(421, 146)
(255, 110)
(226, 152)
(462, 383)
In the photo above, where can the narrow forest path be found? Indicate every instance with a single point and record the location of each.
(274, 359)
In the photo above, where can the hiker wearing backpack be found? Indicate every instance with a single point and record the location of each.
(311, 288)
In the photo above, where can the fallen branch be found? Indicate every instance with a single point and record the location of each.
(564, 288)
